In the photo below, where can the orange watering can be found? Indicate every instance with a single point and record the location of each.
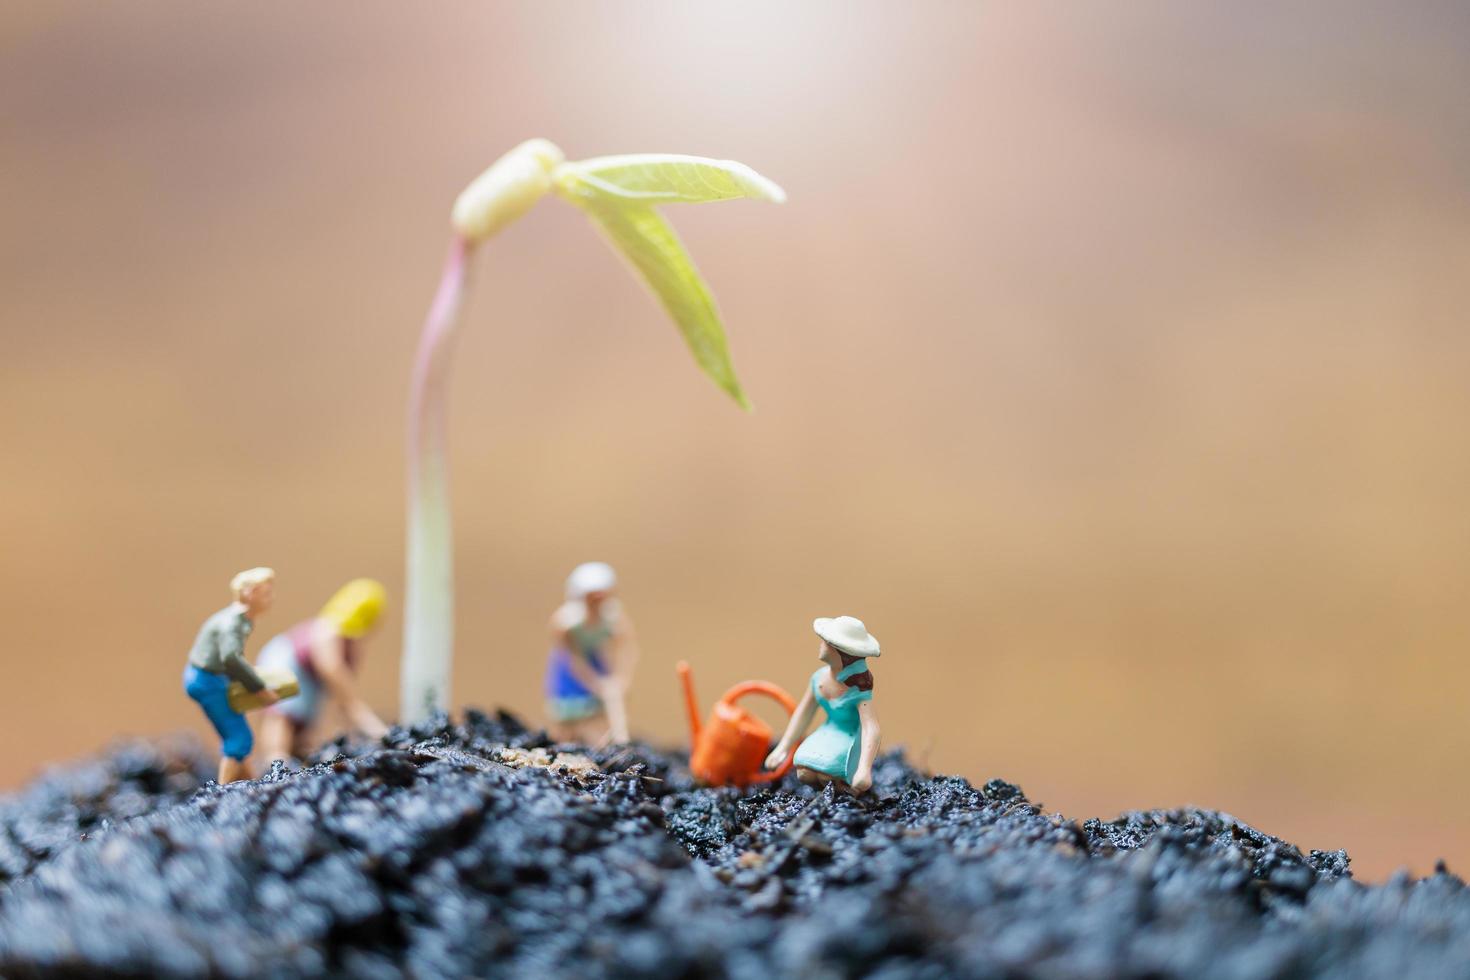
(730, 750)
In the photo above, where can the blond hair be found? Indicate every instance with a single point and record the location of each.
(355, 608)
(250, 578)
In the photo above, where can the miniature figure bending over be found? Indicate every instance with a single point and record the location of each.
(842, 750)
(324, 654)
(592, 657)
(218, 657)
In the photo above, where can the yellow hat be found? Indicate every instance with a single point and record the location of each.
(356, 607)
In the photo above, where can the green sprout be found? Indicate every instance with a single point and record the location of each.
(619, 194)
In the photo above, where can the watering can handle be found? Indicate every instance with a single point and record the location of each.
(780, 697)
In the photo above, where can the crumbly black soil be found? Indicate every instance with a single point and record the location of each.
(441, 853)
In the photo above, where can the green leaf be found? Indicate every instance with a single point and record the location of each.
(645, 239)
(665, 178)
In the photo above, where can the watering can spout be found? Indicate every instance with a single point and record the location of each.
(687, 676)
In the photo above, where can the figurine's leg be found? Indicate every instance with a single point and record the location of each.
(819, 780)
(233, 770)
(238, 743)
(276, 737)
(301, 741)
(813, 778)
(587, 731)
(211, 691)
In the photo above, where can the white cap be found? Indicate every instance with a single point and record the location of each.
(591, 576)
(848, 635)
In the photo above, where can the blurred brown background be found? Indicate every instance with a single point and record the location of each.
(1109, 361)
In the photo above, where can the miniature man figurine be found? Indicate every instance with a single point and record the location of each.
(324, 654)
(842, 750)
(218, 657)
(592, 658)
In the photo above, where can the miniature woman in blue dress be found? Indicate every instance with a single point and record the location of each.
(592, 658)
(842, 750)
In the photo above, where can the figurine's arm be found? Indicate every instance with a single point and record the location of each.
(801, 719)
(622, 658)
(617, 710)
(329, 659)
(868, 749)
(231, 645)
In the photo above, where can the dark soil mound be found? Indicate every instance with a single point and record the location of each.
(455, 851)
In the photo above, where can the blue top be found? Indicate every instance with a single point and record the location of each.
(569, 698)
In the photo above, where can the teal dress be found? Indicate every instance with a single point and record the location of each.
(835, 748)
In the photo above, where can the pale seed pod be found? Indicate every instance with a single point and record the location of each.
(506, 190)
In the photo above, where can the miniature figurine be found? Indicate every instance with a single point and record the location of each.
(592, 658)
(842, 750)
(324, 653)
(728, 750)
(218, 657)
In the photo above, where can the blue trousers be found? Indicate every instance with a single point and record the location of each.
(212, 691)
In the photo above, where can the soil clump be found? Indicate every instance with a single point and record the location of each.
(483, 849)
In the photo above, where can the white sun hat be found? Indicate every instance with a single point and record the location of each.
(848, 635)
(591, 576)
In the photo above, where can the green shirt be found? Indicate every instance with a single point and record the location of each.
(220, 647)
